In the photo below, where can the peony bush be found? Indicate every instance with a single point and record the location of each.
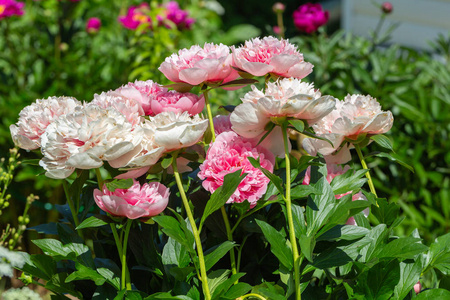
(165, 201)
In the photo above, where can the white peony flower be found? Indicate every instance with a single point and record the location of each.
(83, 139)
(34, 119)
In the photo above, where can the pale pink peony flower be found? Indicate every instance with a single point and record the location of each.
(143, 92)
(354, 116)
(309, 17)
(270, 55)
(288, 97)
(129, 107)
(93, 25)
(9, 8)
(84, 138)
(334, 170)
(227, 155)
(175, 131)
(34, 119)
(196, 65)
(222, 123)
(136, 16)
(177, 103)
(138, 201)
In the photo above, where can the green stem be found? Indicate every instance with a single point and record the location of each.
(290, 219)
(210, 118)
(100, 180)
(280, 24)
(364, 165)
(72, 208)
(240, 252)
(252, 295)
(230, 238)
(125, 283)
(203, 277)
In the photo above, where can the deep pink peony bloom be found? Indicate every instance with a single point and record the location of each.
(143, 92)
(138, 201)
(196, 65)
(136, 16)
(93, 25)
(334, 170)
(228, 154)
(177, 16)
(270, 55)
(309, 17)
(176, 102)
(10, 8)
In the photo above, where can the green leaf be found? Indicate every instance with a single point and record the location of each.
(302, 191)
(298, 215)
(278, 244)
(110, 277)
(237, 290)
(385, 212)
(213, 257)
(307, 244)
(33, 162)
(180, 274)
(319, 207)
(377, 237)
(394, 159)
(383, 141)
(239, 82)
(167, 162)
(58, 251)
(380, 280)
(409, 276)
(439, 254)
(272, 177)
(299, 125)
(174, 253)
(180, 87)
(225, 285)
(349, 181)
(39, 265)
(433, 294)
(119, 184)
(85, 273)
(222, 194)
(215, 278)
(95, 221)
(405, 247)
(344, 232)
(172, 228)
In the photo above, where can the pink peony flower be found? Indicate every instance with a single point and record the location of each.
(270, 55)
(143, 92)
(309, 17)
(334, 170)
(176, 102)
(222, 123)
(177, 16)
(228, 154)
(136, 16)
(9, 8)
(196, 65)
(138, 201)
(352, 117)
(93, 25)
(34, 119)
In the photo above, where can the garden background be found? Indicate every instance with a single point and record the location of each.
(50, 51)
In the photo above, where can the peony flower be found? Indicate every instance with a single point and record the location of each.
(270, 55)
(130, 108)
(177, 16)
(136, 16)
(227, 155)
(334, 170)
(196, 65)
(84, 138)
(356, 115)
(93, 25)
(176, 102)
(309, 17)
(222, 123)
(9, 8)
(143, 92)
(288, 97)
(138, 201)
(34, 119)
(175, 131)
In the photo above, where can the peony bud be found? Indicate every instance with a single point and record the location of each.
(278, 7)
(417, 287)
(386, 7)
(93, 25)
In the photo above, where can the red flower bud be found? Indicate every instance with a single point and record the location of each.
(386, 7)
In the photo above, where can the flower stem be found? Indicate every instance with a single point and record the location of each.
(72, 208)
(124, 281)
(252, 295)
(210, 118)
(100, 180)
(364, 165)
(230, 238)
(280, 23)
(290, 219)
(203, 277)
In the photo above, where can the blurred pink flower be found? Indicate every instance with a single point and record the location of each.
(34, 119)
(276, 30)
(228, 154)
(334, 170)
(196, 65)
(354, 116)
(136, 16)
(176, 102)
(177, 16)
(270, 55)
(143, 92)
(417, 287)
(387, 7)
(309, 17)
(138, 201)
(278, 7)
(93, 25)
(10, 8)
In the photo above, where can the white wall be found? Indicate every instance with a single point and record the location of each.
(419, 21)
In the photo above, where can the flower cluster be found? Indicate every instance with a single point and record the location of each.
(9, 8)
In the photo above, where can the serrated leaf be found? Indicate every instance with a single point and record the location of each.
(383, 141)
(278, 244)
(119, 184)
